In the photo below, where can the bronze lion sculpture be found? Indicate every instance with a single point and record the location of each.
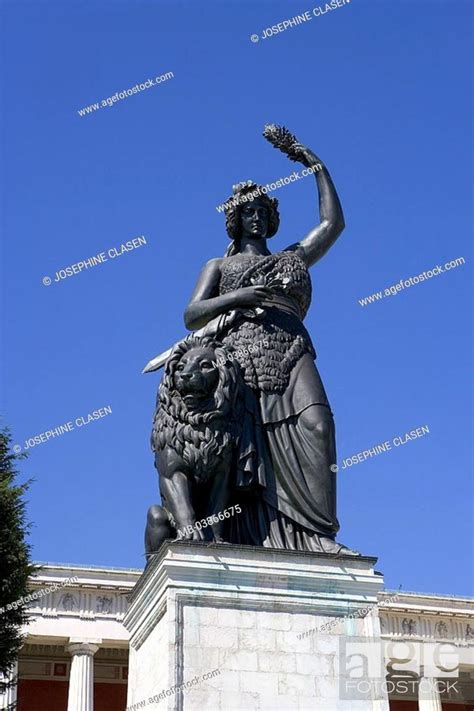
(195, 433)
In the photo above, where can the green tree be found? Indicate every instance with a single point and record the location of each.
(15, 563)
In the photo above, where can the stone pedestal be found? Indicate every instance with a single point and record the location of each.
(215, 627)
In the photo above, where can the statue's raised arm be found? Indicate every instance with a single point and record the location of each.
(317, 242)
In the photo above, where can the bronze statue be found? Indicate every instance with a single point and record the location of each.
(247, 313)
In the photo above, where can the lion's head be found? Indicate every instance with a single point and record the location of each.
(197, 409)
(196, 376)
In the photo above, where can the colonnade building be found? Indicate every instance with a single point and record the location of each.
(75, 651)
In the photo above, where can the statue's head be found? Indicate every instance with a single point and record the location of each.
(250, 212)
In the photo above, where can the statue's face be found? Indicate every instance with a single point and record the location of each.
(254, 219)
(196, 375)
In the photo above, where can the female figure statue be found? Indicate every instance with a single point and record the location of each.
(286, 464)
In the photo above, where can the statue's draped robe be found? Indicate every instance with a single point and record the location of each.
(282, 474)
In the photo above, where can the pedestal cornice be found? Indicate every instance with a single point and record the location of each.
(261, 577)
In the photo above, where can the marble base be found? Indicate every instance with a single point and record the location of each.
(227, 623)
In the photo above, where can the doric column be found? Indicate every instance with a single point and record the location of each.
(429, 698)
(81, 678)
(9, 696)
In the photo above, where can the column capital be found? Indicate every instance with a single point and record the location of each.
(83, 646)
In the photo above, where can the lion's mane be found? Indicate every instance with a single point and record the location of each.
(198, 436)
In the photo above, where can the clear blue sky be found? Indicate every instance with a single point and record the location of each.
(380, 90)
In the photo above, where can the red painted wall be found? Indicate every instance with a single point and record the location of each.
(49, 695)
(413, 706)
(39, 695)
(110, 697)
